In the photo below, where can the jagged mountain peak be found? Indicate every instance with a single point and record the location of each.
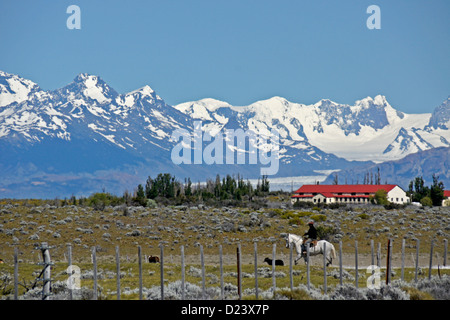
(441, 116)
(378, 100)
(145, 91)
(91, 87)
(15, 89)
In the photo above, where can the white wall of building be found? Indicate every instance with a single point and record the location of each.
(397, 195)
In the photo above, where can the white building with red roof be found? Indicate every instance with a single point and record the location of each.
(348, 193)
(446, 201)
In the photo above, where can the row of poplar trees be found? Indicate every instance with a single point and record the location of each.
(167, 186)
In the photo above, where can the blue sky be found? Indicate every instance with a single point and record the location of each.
(237, 51)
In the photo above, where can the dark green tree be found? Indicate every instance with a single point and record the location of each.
(437, 191)
(140, 196)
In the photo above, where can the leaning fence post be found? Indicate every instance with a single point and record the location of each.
(417, 259)
(431, 260)
(118, 272)
(16, 273)
(46, 272)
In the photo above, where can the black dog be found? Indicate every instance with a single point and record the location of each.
(277, 262)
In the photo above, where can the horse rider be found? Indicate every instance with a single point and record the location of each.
(309, 236)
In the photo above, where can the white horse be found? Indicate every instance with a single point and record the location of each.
(317, 249)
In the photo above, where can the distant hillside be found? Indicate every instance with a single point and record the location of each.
(401, 172)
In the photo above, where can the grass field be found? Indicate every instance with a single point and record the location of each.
(26, 224)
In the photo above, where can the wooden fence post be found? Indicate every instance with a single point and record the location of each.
(307, 268)
(356, 264)
(417, 259)
(238, 256)
(325, 268)
(274, 283)
(379, 255)
(46, 272)
(16, 273)
(445, 252)
(291, 273)
(161, 266)
(256, 269)
(388, 262)
(222, 292)
(140, 271)
(183, 290)
(202, 262)
(403, 260)
(431, 260)
(94, 262)
(340, 263)
(69, 263)
(118, 272)
(372, 252)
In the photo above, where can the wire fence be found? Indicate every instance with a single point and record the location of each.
(373, 281)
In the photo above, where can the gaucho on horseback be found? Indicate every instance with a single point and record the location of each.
(309, 236)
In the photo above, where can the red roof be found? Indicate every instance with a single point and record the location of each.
(446, 193)
(344, 188)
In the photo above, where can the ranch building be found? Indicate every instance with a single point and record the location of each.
(446, 201)
(348, 194)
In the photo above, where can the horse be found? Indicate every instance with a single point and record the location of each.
(277, 262)
(317, 249)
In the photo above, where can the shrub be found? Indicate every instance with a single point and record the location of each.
(326, 233)
(363, 216)
(101, 200)
(381, 197)
(296, 294)
(319, 217)
(416, 294)
(426, 202)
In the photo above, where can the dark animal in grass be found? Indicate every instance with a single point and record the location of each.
(153, 259)
(277, 262)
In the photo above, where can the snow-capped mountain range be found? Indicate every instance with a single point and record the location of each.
(370, 130)
(85, 135)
